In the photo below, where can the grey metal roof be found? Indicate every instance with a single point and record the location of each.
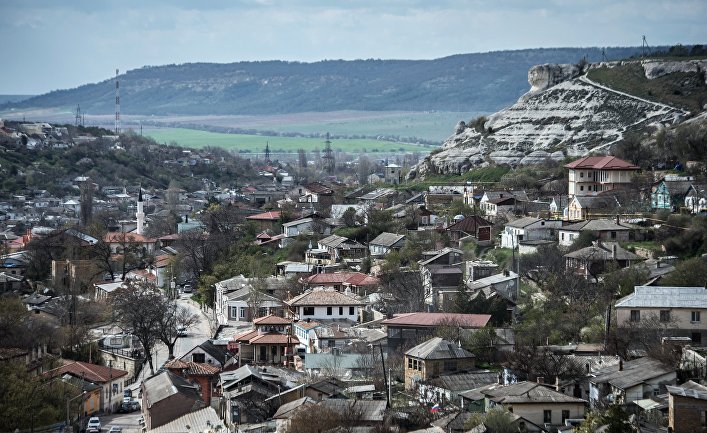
(492, 279)
(689, 389)
(202, 420)
(167, 384)
(633, 373)
(465, 381)
(438, 348)
(522, 222)
(528, 392)
(603, 251)
(387, 239)
(369, 410)
(346, 361)
(665, 297)
(287, 410)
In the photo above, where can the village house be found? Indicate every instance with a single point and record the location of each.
(111, 380)
(247, 391)
(471, 227)
(440, 270)
(539, 404)
(317, 195)
(604, 229)
(207, 353)
(205, 375)
(266, 220)
(592, 175)
(630, 381)
(407, 327)
(354, 282)
(670, 192)
(167, 396)
(435, 357)
(594, 260)
(687, 407)
(385, 243)
(529, 229)
(592, 207)
(497, 202)
(335, 249)
(325, 304)
(271, 341)
(678, 309)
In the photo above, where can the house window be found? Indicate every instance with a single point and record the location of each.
(234, 312)
(410, 363)
(665, 315)
(565, 415)
(341, 311)
(635, 316)
(547, 416)
(243, 312)
(328, 311)
(581, 174)
(308, 311)
(613, 235)
(450, 365)
(581, 188)
(352, 311)
(696, 337)
(695, 316)
(198, 357)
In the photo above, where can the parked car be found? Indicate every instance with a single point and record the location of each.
(127, 399)
(187, 288)
(94, 423)
(182, 331)
(115, 429)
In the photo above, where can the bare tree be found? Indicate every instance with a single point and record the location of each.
(137, 309)
(173, 316)
(402, 292)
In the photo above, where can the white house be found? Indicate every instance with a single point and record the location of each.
(630, 381)
(297, 227)
(528, 229)
(385, 243)
(592, 175)
(322, 304)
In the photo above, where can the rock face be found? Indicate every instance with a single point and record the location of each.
(655, 68)
(564, 114)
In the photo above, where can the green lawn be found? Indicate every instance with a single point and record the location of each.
(256, 143)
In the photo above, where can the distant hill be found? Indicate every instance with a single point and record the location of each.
(482, 82)
(13, 98)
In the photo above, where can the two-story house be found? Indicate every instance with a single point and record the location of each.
(433, 358)
(479, 229)
(108, 378)
(670, 192)
(592, 261)
(679, 309)
(166, 396)
(271, 341)
(407, 327)
(592, 175)
(440, 270)
(355, 282)
(528, 229)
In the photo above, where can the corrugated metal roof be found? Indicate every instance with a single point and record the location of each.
(665, 297)
(202, 420)
(438, 348)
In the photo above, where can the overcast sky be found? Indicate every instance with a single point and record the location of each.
(56, 44)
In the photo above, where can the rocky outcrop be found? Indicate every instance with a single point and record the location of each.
(656, 68)
(562, 115)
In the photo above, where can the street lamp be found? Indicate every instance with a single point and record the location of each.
(68, 400)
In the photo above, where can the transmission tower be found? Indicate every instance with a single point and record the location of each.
(117, 103)
(78, 120)
(644, 47)
(267, 152)
(329, 163)
(603, 55)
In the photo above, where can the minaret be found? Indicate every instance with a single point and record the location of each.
(140, 215)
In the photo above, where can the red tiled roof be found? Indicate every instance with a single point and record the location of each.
(271, 320)
(246, 336)
(91, 372)
(265, 216)
(274, 338)
(353, 278)
(435, 319)
(602, 162)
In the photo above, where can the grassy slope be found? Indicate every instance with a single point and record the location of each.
(678, 89)
(256, 143)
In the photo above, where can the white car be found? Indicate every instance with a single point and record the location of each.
(127, 399)
(182, 331)
(94, 423)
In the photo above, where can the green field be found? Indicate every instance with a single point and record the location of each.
(256, 143)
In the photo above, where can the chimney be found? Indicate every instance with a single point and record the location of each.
(614, 247)
(557, 383)
(541, 379)
(621, 365)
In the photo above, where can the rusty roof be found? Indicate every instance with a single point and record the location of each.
(436, 319)
(601, 163)
(92, 372)
(271, 319)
